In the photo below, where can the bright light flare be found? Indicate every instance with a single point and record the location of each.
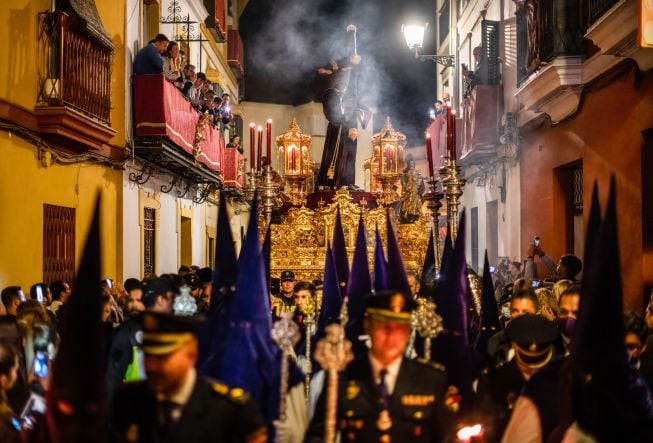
(414, 35)
(468, 432)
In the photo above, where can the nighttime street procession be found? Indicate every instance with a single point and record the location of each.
(326, 221)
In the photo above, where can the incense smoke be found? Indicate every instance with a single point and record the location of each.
(287, 40)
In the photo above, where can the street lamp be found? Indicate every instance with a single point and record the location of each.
(414, 35)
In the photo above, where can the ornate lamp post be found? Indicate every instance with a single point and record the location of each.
(414, 35)
(297, 164)
(388, 157)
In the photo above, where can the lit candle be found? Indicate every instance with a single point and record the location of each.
(293, 160)
(260, 149)
(268, 146)
(252, 158)
(429, 154)
(452, 154)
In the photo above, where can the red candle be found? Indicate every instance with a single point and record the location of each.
(429, 154)
(452, 153)
(260, 149)
(293, 159)
(252, 158)
(268, 146)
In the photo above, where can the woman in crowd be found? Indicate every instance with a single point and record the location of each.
(172, 62)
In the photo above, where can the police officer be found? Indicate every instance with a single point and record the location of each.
(383, 396)
(176, 404)
(284, 301)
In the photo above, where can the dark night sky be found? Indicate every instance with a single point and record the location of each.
(287, 40)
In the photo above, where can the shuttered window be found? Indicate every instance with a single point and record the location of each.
(58, 243)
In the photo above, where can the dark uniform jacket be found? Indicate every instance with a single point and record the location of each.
(497, 393)
(416, 405)
(213, 413)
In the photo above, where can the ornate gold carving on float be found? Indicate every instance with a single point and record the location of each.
(299, 241)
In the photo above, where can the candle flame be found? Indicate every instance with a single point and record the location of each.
(466, 433)
(269, 120)
(453, 112)
(259, 128)
(428, 135)
(251, 125)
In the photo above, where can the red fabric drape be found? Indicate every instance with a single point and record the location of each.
(438, 131)
(160, 110)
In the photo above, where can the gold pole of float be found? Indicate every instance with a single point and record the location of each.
(453, 186)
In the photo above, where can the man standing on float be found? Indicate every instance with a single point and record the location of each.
(337, 89)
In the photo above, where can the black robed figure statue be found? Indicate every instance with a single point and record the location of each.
(337, 88)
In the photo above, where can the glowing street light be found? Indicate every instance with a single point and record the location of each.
(414, 36)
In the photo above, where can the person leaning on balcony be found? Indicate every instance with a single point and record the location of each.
(172, 62)
(224, 109)
(197, 90)
(148, 60)
(186, 80)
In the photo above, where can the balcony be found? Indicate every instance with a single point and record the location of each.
(236, 53)
(480, 125)
(173, 138)
(74, 84)
(550, 55)
(596, 9)
(216, 21)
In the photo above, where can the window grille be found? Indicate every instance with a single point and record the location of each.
(578, 190)
(149, 240)
(58, 243)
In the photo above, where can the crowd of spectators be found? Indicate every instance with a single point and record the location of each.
(162, 56)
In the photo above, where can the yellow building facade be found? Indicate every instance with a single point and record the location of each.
(55, 157)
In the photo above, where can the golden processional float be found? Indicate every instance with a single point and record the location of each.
(302, 219)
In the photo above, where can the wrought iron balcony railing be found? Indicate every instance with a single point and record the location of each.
(74, 69)
(546, 30)
(596, 8)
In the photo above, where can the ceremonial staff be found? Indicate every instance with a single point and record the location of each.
(285, 333)
(333, 353)
(309, 321)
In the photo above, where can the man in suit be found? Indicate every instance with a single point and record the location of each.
(383, 396)
(176, 404)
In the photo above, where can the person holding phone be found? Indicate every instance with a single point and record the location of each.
(568, 267)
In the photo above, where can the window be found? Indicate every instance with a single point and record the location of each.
(492, 231)
(75, 64)
(58, 243)
(570, 180)
(474, 225)
(443, 22)
(149, 240)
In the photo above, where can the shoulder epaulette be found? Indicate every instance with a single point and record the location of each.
(431, 364)
(237, 395)
(220, 388)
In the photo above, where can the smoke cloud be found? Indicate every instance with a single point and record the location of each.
(287, 40)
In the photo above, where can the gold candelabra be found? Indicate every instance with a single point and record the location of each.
(453, 186)
(269, 192)
(433, 198)
(253, 179)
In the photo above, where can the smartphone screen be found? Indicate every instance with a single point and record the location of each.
(537, 242)
(39, 294)
(41, 364)
(493, 269)
(535, 284)
(22, 295)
